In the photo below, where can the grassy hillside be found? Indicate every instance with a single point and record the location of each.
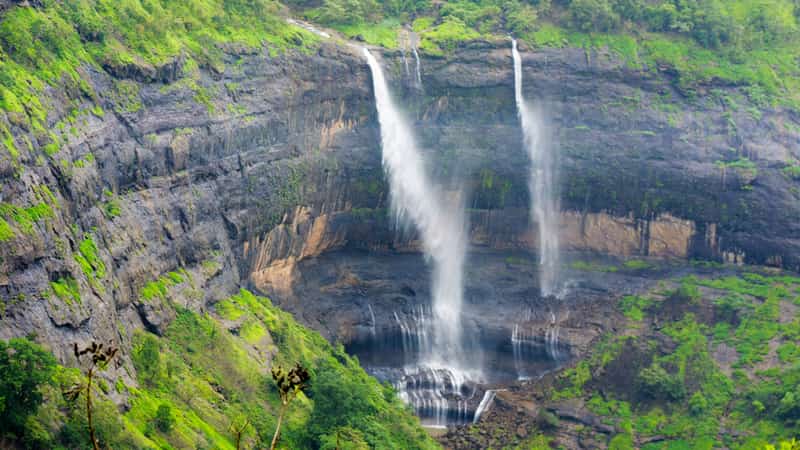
(47, 51)
(211, 371)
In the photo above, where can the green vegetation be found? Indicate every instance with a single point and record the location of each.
(383, 33)
(25, 367)
(681, 392)
(198, 356)
(91, 265)
(633, 306)
(741, 42)
(111, 208)
(6, 232)
(202, 383)
(24, 217)
(48, 45)
(637, 264)
(66, 289)
(742, 164)
(159, 288)
(591, 266)
(792, 171)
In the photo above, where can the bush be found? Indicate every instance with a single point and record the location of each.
(147, 359)
(656, 382)
(24, 368)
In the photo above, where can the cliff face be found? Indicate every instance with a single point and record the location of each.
(235, 176)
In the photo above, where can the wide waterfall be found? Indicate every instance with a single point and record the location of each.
(544, 208)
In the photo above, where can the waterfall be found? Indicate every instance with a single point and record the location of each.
(544, 207)
(372, 330)
(441, 225)
(485, 403)
(419, 71)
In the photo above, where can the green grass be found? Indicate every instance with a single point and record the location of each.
(67, 290)
(26, 217)
(637, 264)
(6, 232)
(90, 262)
(384, 33)
(633, 306)
(770, 73)
(591, 266)
(759, 319)
(210, 376)
(686, 398)
(444, 38)
(792, 171)
(159, 288)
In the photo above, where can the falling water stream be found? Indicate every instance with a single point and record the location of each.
(418, 71)
(435, 383)
(544, 208)
(436, 364)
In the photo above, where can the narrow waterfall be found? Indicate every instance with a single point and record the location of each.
(486, 402)
(419, 70)
(544, 208)
(434, 386)
(372, 329)
(439, 220)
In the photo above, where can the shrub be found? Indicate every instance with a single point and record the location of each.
(656, 382)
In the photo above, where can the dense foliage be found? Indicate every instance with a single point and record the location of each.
(24, 368)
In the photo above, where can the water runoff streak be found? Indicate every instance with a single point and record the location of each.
(544, 209)
(436, 384)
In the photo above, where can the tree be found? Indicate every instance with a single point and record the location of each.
(289, 385)
(24, 368)
(344, 438)
(238, 431)
(593, 15)
(520, 18)
(338, 401)
(698, 404)
(98, 361)
(164, 420)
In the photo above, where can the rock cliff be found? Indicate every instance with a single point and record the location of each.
(197, 180)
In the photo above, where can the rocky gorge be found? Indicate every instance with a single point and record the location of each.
(265, 172)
